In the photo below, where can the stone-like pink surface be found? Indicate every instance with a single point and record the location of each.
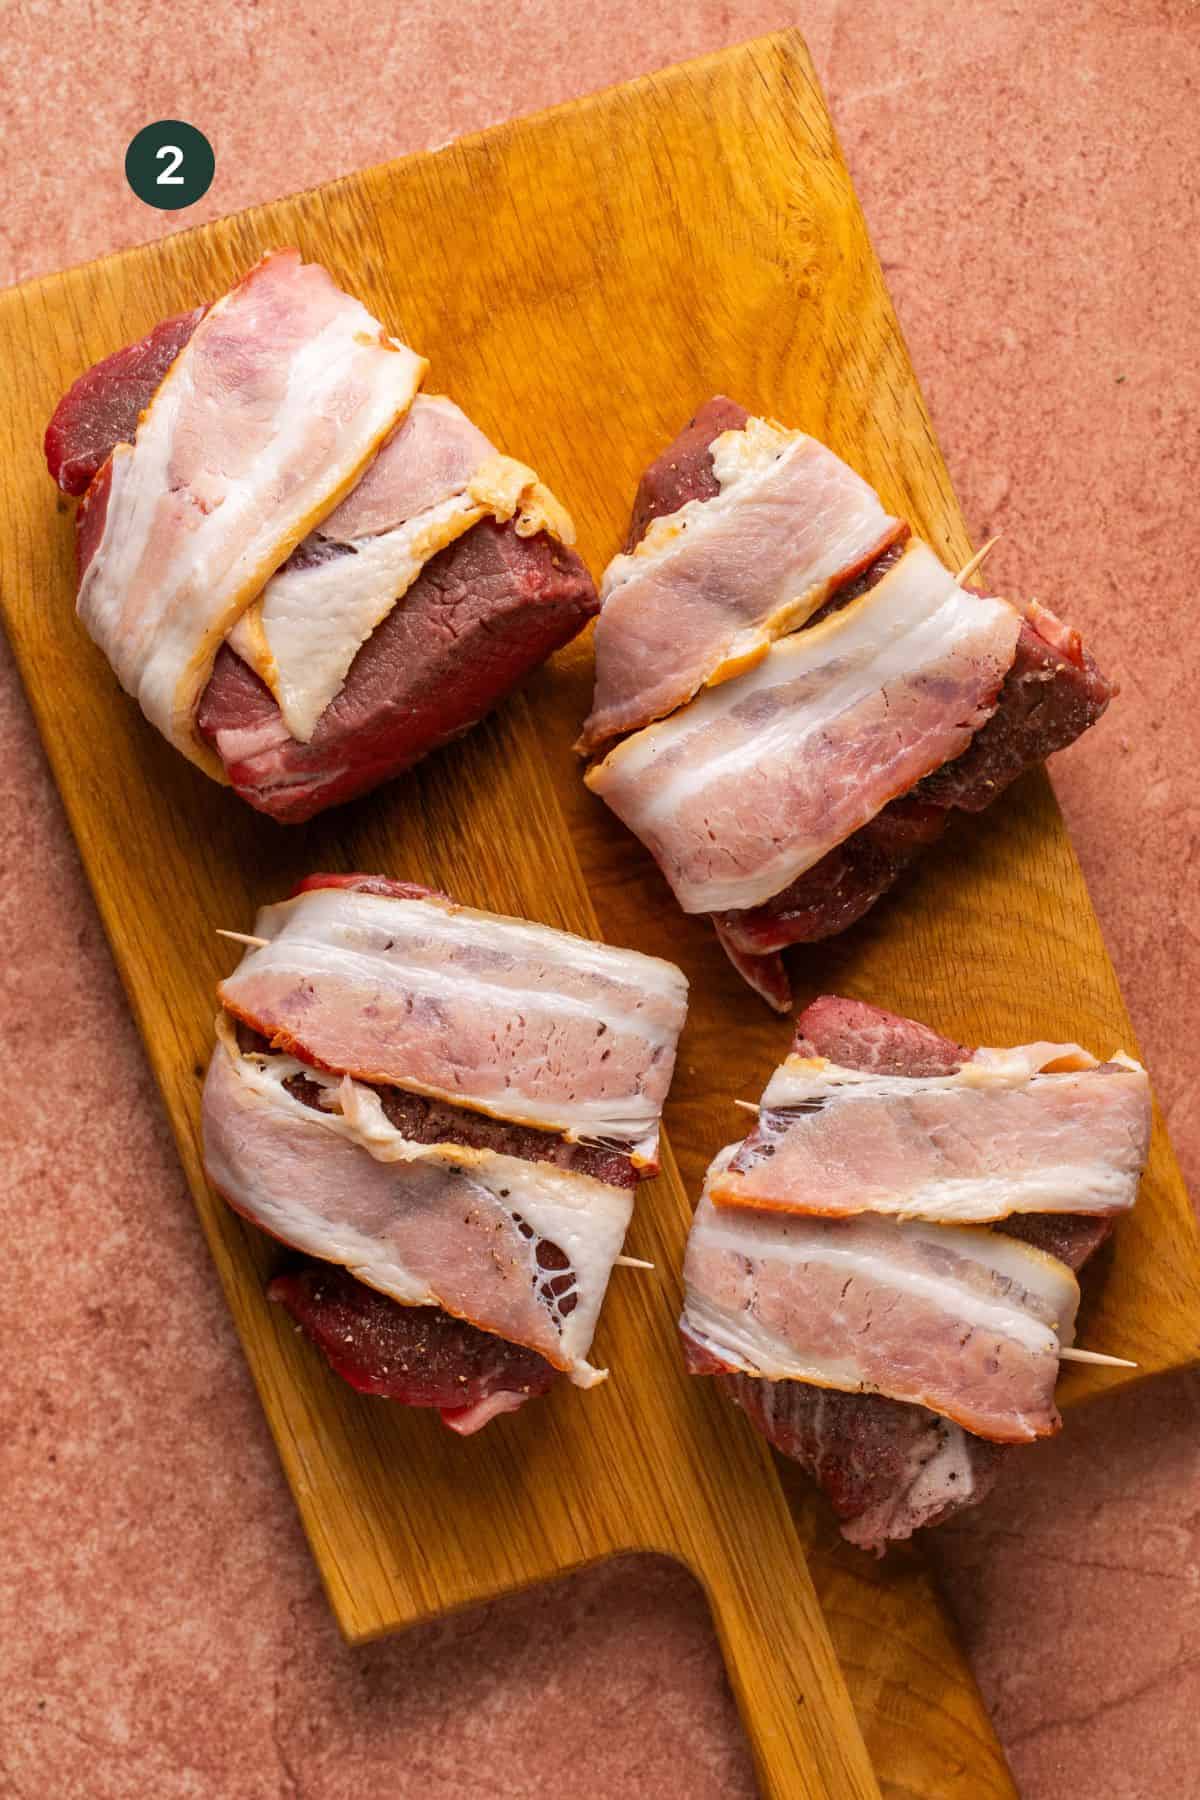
(1031, 178)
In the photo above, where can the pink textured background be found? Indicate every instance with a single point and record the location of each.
(1031, 178)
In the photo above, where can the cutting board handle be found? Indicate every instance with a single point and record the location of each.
(784, 1677)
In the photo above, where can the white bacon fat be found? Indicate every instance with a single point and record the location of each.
(509, 1018)
(264, 422)
(428, 1224)
(707, 589)
(1040, 1128)
(964, 1321)
(751, 784)
(433, 480)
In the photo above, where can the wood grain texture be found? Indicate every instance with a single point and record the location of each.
(580, 283)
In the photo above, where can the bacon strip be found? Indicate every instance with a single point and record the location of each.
(432, 454)
(434, 479)
(509, 1018)
(965, 1322)
(756, 780)
(427, 1224)
(262, 424)
(1000, 1135)
(708, 588)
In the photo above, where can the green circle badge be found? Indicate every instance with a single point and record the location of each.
(170, 165)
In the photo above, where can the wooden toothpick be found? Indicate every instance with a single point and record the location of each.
(242, 937)
(631, 1262)
(1069, 1353)
(968, 569)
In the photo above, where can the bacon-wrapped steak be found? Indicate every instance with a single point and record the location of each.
(833, 1289)
(793, 696)
(309, 574)
(449, 1111)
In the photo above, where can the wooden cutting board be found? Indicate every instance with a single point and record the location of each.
(580, 283)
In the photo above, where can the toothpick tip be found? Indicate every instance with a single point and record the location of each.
(975, 562)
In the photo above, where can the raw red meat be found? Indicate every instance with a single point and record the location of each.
(417, 1355)
(101, 409)
(481, 615)
(684, 471)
